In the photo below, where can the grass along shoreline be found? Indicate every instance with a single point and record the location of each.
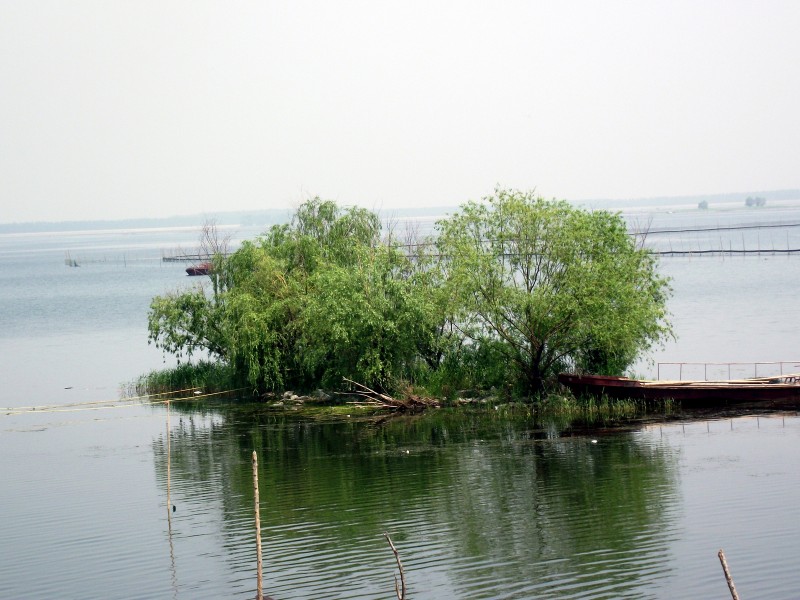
(219, 380)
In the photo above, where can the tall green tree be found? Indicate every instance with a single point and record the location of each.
(551, 286)
(308, 303)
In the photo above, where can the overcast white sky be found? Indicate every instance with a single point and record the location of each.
(112, 109)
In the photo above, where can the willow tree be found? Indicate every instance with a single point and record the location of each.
(310, 302)
(552, 286)
(366, 321)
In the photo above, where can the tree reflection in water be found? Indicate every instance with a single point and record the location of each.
(481, 504)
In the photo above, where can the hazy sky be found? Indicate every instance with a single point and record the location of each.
(112, 109)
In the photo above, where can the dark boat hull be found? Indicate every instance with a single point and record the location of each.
(694, 393)
(201, 269)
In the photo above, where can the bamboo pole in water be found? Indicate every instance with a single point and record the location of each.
(728, 577)
(260, 585)
(170, 509)
(169, 503)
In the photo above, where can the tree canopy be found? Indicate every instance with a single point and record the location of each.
(511, 290)
(755, 201)
(307, 304)
(551, 286)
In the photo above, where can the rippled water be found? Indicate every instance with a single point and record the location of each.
(480, 504)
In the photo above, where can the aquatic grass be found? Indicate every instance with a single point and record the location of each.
(555, 407)
(593, 409)
(208, 376)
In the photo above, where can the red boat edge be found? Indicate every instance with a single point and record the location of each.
(201, 269)
(778, 390)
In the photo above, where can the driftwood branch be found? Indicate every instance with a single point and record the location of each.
(728, 577)
(400, 589)
(379, 400)
(370, 393)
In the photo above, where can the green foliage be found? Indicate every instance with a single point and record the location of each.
(364, 321)
(470, 368)
(554, 286)
(515, 289)
(262, 304)
(309, 303)
(183, 323)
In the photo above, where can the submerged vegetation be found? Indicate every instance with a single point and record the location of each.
(510, 292)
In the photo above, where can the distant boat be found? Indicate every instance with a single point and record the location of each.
(199, 269)
(778, 390)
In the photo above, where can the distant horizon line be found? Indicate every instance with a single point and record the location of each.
(251, 217)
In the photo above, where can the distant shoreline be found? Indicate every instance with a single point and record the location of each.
(267, 217)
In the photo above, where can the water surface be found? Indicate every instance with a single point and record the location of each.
(481, 504)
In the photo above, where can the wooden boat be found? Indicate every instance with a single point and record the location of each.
(778, 390)
(200, 269)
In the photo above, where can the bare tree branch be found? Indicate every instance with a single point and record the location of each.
(212, 243)
(401, 589)
(377, 399)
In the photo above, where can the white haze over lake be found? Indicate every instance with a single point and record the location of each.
(118, 109)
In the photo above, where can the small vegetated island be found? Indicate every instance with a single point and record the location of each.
(509, 292)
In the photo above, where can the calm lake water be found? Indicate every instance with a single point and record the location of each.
(482, 504)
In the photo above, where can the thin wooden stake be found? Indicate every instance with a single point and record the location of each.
(260, 587)
(401, 589)
(169, 502)
(728, 577)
